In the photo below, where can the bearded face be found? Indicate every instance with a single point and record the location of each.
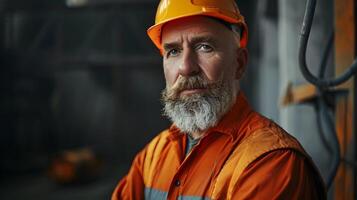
(199, 111)
(202, 64)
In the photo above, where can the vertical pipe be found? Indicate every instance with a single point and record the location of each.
(345, 45)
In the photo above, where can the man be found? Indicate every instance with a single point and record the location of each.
(217, 147)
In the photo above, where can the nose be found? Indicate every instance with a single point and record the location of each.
(189, 66)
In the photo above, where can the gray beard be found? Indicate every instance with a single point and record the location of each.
(199, 112)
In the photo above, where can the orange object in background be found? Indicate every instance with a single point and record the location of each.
(75, 166)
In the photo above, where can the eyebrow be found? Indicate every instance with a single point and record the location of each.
(194, 41)
(200, 39)
(172, 45)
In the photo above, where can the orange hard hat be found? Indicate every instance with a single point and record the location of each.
(169, 10)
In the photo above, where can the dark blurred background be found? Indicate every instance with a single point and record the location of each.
(80, 85)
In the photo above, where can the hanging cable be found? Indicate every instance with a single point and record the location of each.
(322, 134)
(323, 113)
(329, 137)
(321, 72)
(325, 55)
(304, 37)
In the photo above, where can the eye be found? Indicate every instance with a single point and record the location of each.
(204, 47)
(172, 53)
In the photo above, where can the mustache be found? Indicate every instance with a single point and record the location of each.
(188, 83)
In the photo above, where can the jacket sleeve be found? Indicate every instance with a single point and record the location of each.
(131, 187)
(281, 174)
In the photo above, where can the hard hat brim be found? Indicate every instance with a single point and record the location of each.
(154, 32)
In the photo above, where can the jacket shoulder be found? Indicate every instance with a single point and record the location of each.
(262, 140)
(265, 136)
(262, 137)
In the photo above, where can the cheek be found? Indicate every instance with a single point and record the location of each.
(215, 68)
(170, 73)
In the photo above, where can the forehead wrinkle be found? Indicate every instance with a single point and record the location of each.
(192, 25)
(212, 25)
(195, 39)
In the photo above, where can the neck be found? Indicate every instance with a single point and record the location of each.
(196, 135)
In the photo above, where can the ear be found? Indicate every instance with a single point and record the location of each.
(242, 60)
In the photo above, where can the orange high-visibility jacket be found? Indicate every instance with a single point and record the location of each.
(246, 156)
